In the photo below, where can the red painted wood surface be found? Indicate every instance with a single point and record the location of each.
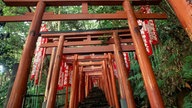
(84, 43)
(86, 85)
(16, 97)
(67, 17)
(144, 62)
(51, 64)
(77, 2)
(183, 10)
(55, 75)
(74, 87)
(93, 49)
(108, 73)
(125, 84)
(81, 85)
(113, 82)
(67, 87)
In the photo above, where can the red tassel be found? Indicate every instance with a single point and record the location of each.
(39, 56)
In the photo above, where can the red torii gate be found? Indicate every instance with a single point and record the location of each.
(16, 97)
(87, 37)
(23, 70)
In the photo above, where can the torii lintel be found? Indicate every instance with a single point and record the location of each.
(77, 2)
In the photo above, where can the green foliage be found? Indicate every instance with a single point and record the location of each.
(3, 88)
(174, 50)
(135, 77)
(188, 101)
(38, 90)
(104, 9)
(187, 69)
(88, 24)
(10, 48)
(104, 39)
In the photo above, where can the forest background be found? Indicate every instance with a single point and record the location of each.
(172, 58)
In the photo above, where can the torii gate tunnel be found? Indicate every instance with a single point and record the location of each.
(101, 57)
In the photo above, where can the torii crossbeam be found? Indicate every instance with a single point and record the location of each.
(78, 2)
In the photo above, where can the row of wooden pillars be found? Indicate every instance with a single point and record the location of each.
(153, 92)
(81, 84)
(78, 93)
(53, 76)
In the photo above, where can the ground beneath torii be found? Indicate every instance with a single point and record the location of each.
(95, 99)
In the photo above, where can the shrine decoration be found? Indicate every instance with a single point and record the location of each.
(148, 31)
(127, 60)
(115, 69)
(127, 63)
(39, 55)
(61, 74)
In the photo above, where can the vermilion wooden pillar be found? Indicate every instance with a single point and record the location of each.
(20, 84)
(85, 8)
(86, 85)
(74, 86)
(122, 93)
(108, 90)
(89, 81)
(100, 83)
(113, 81)
(126, 86)
(81, 85)
(80, 78)
(90, 84)
(67, 88)
(49, 74)
(55, 75)
(144, 62)
(77, 89)
(183, 10)
(110, 84)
